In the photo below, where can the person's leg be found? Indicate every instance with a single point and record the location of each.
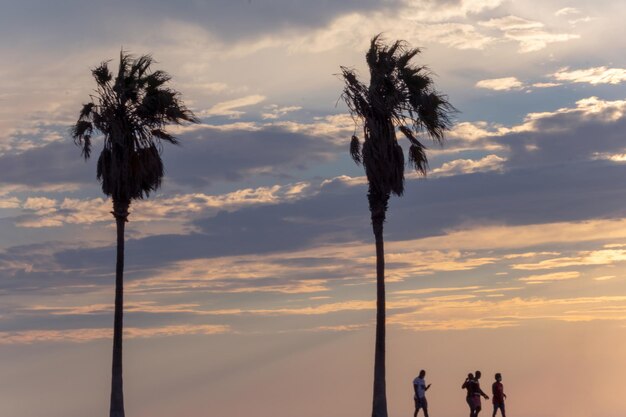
(502, 410)
(417, 408)
(425, 411)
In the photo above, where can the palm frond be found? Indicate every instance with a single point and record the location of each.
(102, 74)
(417, 158)
(163, 135)
(355, 150)
(81, 132)
(85, 113)
(434, 115)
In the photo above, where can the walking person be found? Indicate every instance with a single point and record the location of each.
(420, 388)
(477, 393)
(497, 389)
(468, 385)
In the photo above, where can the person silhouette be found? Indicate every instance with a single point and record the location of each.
(468, 385)
(477, 393)
(420, 388)
(497, 389)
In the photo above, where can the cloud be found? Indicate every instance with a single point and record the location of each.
(556, 276)
(230, 108)
(529, 34)
(129, 307)
(90, 334)
(456, 35)
(9, 203)
(532, 40)
(229, 252)
(423, 291)
(604, 278)
(600, 257)
(593, 76)
(567, 11)
(546, 85)
(322, 309)
(522, 236)
(430, 22)
(500, 84)
(46, 212)
(508, 23)
(469, 166)
(549, 130)
(236, 151)
(275, 111)
(311, 270)
(492, 313)
(613, 157)
(231, 22)
(435, 11)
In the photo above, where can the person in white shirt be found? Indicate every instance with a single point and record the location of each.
(420, 388)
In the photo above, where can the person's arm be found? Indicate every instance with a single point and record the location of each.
(465, 384)
(428, 386)
(480, 391)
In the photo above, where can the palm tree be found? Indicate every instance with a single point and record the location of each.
(400, 96)
(131, 112)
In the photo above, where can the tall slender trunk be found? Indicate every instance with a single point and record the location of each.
(120, 212)
(379, 407)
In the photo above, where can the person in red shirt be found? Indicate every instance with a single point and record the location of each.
(498, 396)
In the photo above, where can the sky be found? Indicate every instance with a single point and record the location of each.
(250, 281)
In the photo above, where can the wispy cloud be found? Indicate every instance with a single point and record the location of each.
(231, 108)
(423, 291)
(500, 84)
(567, 11)
(493, 313)
(469, 166)
(511, 22)
(274, 111)
(511, 237)
(47, 212)
(593, 76)
(91, 334)
(556, 276)
(530, 35)
(600, 257)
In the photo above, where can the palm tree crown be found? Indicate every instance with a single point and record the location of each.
(131, 111)
(400, 95)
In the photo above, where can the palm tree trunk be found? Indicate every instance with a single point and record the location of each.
(379, 407)
(120, 212)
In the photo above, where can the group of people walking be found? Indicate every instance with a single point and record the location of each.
(473, 398)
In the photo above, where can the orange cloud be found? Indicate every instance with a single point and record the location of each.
(88, 335)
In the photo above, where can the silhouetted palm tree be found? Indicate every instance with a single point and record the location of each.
(131, 111)
(400, 96)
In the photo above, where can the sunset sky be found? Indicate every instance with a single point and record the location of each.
(250, 274)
